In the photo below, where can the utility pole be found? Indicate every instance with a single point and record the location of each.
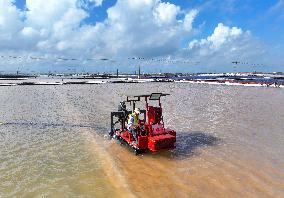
(117, 73)
(139, 72)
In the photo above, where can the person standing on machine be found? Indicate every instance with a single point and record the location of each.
(133, 123)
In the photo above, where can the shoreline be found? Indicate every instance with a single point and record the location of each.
(56, 82)
(231, 83)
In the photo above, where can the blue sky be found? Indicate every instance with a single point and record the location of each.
(177, 35)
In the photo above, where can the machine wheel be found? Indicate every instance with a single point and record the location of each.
(110, 135)
(136, 151)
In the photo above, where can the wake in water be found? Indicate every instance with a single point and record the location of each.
(229, 140)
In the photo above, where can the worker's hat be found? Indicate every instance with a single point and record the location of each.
(137, 110)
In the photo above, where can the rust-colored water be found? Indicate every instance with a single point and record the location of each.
(230, 143)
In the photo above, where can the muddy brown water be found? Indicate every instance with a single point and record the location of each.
(230, 143)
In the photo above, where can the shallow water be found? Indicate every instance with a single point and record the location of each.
(230, 143)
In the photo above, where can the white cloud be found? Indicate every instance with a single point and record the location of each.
(279, 5)
(166, 13)
(97, 2)
(189, 18)
(146, 28)
(68, 23)
(42, 14)
(30, 32)
(222, 35)
(225, 45)
(132, 27)
(87, 4)
(277, 11)
(10, 21)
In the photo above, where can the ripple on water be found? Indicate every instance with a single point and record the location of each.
(229, 142)
(50, 161)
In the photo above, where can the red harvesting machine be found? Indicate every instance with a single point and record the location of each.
(151, 135)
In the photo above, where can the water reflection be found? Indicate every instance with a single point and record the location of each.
(188, 143)
(45, 125)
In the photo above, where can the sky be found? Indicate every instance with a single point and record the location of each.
(157, 35)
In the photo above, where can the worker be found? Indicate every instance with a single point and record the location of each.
(133, 123)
